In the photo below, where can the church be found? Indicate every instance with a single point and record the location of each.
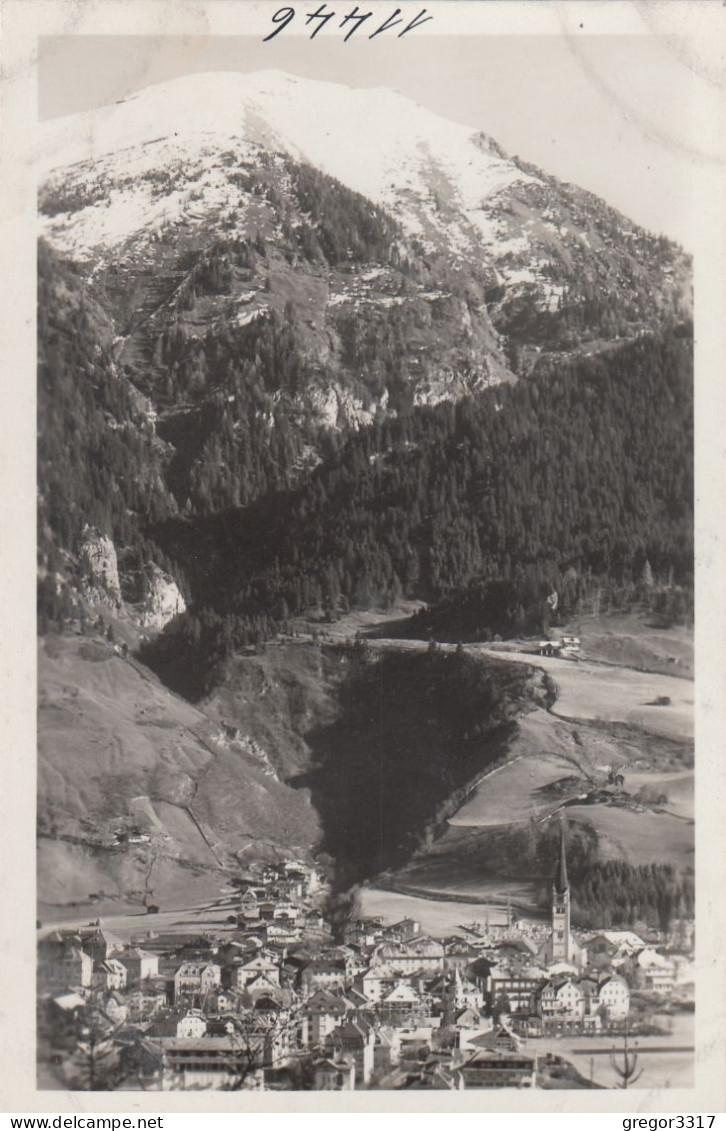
(561, 948)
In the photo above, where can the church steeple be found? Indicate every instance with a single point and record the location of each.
(561, 938)
(561, 882)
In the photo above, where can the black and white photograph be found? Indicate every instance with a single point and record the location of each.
(366, 581)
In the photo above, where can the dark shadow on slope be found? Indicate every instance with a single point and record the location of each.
(414, 731)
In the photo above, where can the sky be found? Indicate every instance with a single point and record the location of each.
(610, 113)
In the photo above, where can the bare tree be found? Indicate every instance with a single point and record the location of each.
(627, 1069)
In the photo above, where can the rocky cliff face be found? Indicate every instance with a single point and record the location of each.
(98, 559)
(162, 601)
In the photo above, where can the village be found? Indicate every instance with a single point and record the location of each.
(290, 995)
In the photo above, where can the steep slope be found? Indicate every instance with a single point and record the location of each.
(141, 785)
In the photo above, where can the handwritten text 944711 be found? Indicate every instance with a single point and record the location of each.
(351, 21)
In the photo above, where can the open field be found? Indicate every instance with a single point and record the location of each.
(438, 916)
(587, 690)
(68, 872)
(545, 751)
(639, 837)
(129, 922)
(632, 640)
(678, 788)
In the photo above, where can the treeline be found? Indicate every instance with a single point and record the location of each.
(603, 893)
(566, 482)
(486, 610)
(615, 894)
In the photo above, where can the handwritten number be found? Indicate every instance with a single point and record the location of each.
(354, 15)
(390, 22)
(321, 15)
(416, 22)
(282, 16)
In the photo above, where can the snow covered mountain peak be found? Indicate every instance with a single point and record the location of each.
(178, 166)
(375, 141)
(307, 116)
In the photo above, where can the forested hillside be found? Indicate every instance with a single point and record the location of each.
(580, 476)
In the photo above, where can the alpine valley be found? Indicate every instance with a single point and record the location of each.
(325, 379)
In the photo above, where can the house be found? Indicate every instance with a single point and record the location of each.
(375, 983)
(441, 1078)
(402, 931)
(401, 1005)
(314, 920)
(323, 974)
(514, 948)
(100, 944)
(262, 987)
(355, 1039)
(195, 979)
(655, 972)
(288, 911)
(140, 964)
(192, 1024)
(471, 1022)
(324, 1011)
(417, 1036)
(460, 993)
(148, 998)
(63, 965)
(281, 934)
(459, 955)
(334, 1075)
(417, 953)
(499, 1069)
(387, 1049)
(225, 1001)
(602, 948)
(517, 984)
(192, 1064)
(500, 1062)
(562, 1005)
(263, 964)
(526, 1024)
(110, 975)
(613, 998)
